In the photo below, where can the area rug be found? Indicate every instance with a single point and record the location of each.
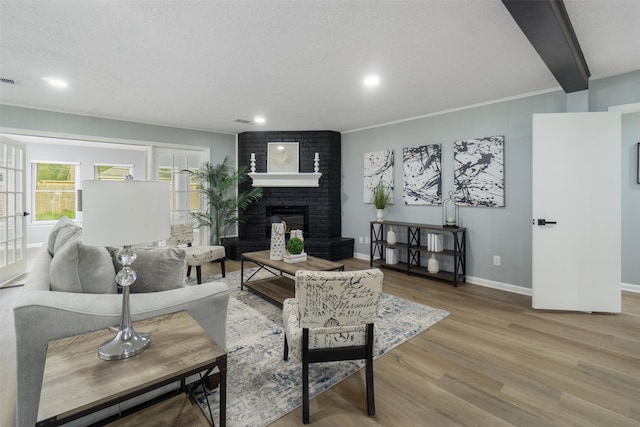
(261, 387)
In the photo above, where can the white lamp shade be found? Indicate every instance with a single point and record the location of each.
(119, 213)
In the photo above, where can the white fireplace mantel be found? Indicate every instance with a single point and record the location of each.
(285, 179)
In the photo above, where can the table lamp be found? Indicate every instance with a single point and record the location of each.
(125, 213)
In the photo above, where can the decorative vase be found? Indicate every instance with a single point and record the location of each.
(391, 237)
(433, 266)
(380, 214)
(296, 233)
(277, 249)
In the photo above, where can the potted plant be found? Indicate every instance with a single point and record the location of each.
(295, 246)
(218, 183)
(295, 251)
(380, 200)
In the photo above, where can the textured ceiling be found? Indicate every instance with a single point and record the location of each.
(203, 64)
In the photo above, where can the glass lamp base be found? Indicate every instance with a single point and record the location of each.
(124, 345)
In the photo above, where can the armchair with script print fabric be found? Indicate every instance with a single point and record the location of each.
(331, 318)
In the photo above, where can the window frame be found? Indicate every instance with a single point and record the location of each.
(122, 165)
(34, 189)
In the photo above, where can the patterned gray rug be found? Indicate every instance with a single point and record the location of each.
(261, 387)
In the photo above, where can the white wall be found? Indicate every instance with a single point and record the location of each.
(504, 231)
(27, 121)
(493, 231)
(86, 157)
(630, 199)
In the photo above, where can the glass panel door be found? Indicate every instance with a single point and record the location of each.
(185, 198)
(13, 241)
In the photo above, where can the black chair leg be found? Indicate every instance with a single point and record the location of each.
(286, 348)
(305, 376)
(222, 268)
(188, 271)
(371, 404)
(199, 274)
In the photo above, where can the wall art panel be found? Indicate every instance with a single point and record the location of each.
(378, 167)
(422, 175)
(479, 171)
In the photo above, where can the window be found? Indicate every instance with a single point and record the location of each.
(54, 190)
(184, 189)
(112, 172)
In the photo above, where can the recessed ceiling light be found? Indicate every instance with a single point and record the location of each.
(55, 82)
(371, 80)
(260, 120)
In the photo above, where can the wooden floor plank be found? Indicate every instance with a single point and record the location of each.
(493, 362)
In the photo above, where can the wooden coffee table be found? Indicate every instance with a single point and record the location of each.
(76, 382)
(280, 285)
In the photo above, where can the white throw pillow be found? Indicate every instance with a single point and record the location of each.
(76, 267)
(60, 234)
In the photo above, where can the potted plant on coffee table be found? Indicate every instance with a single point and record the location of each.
(295, 251)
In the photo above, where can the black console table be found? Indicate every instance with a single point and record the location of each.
(412, 245)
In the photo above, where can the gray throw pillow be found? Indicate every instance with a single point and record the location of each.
(158, 269)
(76, 267)
(60, 234)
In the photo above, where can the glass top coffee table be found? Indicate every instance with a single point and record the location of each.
(279, 285)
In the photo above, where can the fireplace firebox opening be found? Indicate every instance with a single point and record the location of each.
(296, 217)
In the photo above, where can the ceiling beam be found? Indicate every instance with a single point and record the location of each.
(547, 26)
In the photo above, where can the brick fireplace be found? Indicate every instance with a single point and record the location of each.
(316, 210)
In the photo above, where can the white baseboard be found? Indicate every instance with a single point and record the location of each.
(500, 286)
(361, 256)
(631, 288)
(476, 281)
(507, 287)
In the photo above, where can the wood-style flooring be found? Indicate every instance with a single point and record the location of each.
(493, 362)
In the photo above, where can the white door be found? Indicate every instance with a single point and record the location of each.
(13, 242)
(576, 185)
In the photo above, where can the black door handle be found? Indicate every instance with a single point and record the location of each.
(543, 221)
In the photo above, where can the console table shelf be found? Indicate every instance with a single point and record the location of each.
(412, 247)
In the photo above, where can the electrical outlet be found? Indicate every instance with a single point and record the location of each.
(360, 239)
(366, 239)
(496, 260)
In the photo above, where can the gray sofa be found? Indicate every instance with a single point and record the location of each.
(43, 314)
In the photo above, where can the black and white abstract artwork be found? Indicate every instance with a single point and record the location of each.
(422, 175)
(378, 167)
(479, 171)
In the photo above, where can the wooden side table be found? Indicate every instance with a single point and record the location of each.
(76, 382)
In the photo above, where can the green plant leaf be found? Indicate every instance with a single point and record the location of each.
(295, 246)
(217, 183)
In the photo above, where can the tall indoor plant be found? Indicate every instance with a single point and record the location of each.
(217, 183)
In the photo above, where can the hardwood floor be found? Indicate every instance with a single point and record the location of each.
(493, 362)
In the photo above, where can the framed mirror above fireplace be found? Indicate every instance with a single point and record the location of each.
(283, 157)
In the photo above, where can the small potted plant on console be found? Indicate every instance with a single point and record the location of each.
(380, 200)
